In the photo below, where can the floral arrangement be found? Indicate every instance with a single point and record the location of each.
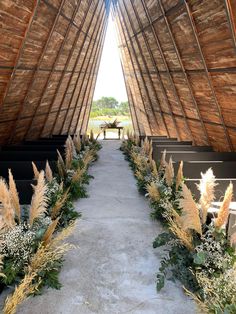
(199, 248)
(33, 237)
(110, 125)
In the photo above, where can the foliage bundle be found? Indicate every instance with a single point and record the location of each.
(200, 250)
(33, 237)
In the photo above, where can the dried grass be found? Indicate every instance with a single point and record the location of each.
(207, 191)
(202, 308)
(21, 293)
(53, 251)
(180, 176)
(185, 237)
(146, 147)
(55, 211)
(88, 157)
(39, 200)
(223, 213)
(153, 192)
(35, 170)
(154, 168)
(163, 162)
(14, 195)
(77, 143)
(190, 218)
(48, 172)
(78, 175)
(7, 210)
(61, 165)
(69, 152)
(49, 232)
(169, 173)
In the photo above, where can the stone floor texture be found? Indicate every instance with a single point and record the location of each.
(113, 270)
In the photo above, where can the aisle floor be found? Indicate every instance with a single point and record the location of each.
(113, 270)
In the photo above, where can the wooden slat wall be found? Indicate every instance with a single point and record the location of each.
(179, 62)
(49, 52)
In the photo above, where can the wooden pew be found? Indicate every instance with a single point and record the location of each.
(197, 156)
(22, 170)
(27, 155)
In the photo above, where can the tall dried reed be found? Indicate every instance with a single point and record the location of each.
(39, 200)
(223, 213)
(190, 218)
(14, 196)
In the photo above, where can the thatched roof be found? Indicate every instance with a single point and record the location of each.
(178, 58)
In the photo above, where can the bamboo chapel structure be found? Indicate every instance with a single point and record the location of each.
(178, 58)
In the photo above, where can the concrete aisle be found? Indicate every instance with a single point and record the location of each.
(113, 271)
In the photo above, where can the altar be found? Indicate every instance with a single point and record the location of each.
(118, 128)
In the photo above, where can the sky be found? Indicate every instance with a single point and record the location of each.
(110, 81)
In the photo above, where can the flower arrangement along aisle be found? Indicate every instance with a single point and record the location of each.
(33, 237)
(200, 249)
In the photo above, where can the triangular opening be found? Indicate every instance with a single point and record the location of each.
(110, 100)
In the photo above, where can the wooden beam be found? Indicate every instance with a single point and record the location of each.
(86, 58)
(35, 72)
(147, 69)
(185, 77)
(65, 67)
(208, 75)
(138, 63)
(134, 71)
(92, 74)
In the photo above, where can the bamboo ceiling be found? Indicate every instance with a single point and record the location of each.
(179, 62)
(49, 57)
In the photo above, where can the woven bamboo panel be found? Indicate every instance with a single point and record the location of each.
(47, 48)
(179, 57)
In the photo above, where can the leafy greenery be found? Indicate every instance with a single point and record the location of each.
(29, 247)
(197, 249)
(109, 106)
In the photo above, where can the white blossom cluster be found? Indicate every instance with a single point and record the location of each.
(219, 289)
(41, 223)
(215, 255)
(18, 244)
(53, 188)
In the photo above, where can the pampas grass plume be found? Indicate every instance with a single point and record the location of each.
(7, 210)
(169, 173)
(207, 192)
(163, 162)
(190, 218)
(49, 232)
(153, 192)
(35, 170)
(180, 176)
(59, 203)
(223, 213)
(53, 251)
(39, 200)
(48, 172)
(14, 195)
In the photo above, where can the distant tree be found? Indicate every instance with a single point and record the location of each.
(106, 102)
(124, 107)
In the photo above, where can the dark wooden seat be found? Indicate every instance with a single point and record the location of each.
(33, 148)
(22, 170)
(43, 142)
(219, 190)
(172, 143)
(27, 155)
(225, 169)
(182, 148)
(25, 190)
(197, 156)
